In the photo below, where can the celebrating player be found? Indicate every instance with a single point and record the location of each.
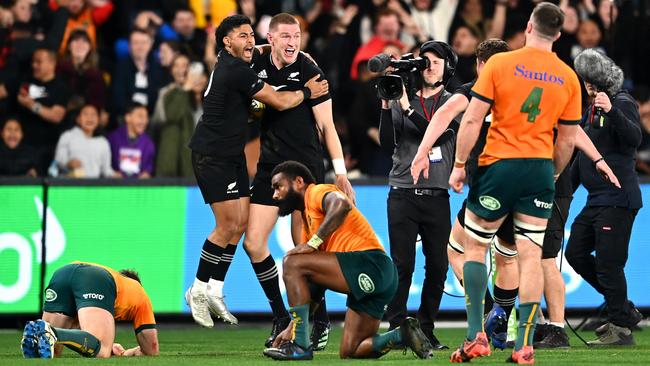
(219, 162)
(343, 254)
(82, 302)
(289, 135)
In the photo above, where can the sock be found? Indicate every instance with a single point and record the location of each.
(488, 302)
(318, 298)
(475, 277)
(559, 325)
(382, 343)
(227, 254)
(199, 286)
(267, 274)
(79, 341)
(300, 315)
(527, 323)
(208, 261)
(505, 298)
(215, 287)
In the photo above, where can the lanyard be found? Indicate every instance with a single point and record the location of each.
(424, 107)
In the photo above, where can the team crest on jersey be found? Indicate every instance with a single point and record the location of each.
(294, 76)
(262, 74)
(50, 295)
(490, 203)
(366, 284)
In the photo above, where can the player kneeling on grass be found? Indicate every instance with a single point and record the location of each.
(343, 255)
(82, 302)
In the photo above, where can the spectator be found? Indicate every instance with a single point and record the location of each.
(176, 115)
(387, 29)
(81, 154)
(167, 51)
(470, 14)
(84, 15)
(132, 150)
(589, 36)
(363, 126)
(464, 43)
(568, 37)
(16, 159)
(41, 104)
(188, 35)
(80, 71)
(433, 17)
(18, 42)
(136, 78)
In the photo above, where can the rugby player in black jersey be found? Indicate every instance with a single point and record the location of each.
(293, 134)
(218, 157)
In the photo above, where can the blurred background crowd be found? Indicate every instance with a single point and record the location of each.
(113, 88)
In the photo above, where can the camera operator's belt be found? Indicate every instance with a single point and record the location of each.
(433, 192)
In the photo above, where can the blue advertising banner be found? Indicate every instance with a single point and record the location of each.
(244, 293)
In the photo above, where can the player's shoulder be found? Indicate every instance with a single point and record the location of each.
(465, 89)
(308, 65)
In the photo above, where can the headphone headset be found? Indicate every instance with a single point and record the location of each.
(444, 51)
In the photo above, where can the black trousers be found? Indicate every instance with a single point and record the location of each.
(409, 215)
(605, 231)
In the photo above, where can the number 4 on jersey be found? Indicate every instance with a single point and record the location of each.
(531, 104)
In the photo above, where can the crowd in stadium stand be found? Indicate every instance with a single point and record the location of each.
(101, 88)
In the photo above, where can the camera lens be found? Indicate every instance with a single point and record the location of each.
(389, 87)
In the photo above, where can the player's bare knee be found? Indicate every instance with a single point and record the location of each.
(290, 266)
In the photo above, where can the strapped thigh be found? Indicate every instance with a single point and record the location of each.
(534, 233)
(477, 232)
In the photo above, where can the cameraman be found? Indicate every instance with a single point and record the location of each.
(604, 225)
(421, 208)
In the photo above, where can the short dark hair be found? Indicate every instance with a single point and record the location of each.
(490, 47)
(139, 30)
(282, 18)
(183, 9)
(547, 19)
(133, 106)
(293, 169)
(11, 117)
(51, 54)
(227, 25)
(132, 274)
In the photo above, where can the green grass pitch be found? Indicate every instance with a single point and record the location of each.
(191, 345)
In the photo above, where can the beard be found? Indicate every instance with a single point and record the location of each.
(291, 202)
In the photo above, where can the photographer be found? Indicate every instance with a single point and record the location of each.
(604, 225)
(421, 208)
